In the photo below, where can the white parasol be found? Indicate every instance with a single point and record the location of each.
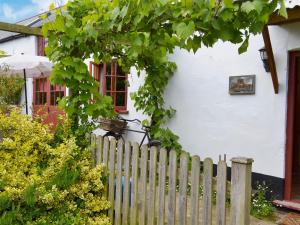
(27, 66)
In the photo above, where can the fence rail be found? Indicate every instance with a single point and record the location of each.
(154, 187)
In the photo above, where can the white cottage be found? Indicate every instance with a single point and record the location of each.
(213, 118)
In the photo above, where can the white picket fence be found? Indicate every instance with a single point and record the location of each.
(153, 187)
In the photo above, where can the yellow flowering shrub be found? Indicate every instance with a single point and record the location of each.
(41, 184)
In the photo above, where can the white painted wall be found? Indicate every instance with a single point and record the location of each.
(28, 46)
(211, 122)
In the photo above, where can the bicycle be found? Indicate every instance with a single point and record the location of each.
(117, 127)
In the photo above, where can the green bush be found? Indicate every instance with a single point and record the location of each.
(10, 92)
(41, 184)
(11, 89)
(261, 207)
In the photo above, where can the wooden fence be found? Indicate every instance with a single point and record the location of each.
(153, 187)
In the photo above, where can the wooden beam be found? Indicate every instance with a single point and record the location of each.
(293, 16)
(16, 28)
(271, 61)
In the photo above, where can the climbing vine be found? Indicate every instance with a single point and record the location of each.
(141, 34)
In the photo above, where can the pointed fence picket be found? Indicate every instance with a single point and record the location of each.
(111, 177)
(157, 187)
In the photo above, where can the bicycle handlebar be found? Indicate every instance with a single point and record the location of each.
(144, 127)
(134, 120)
(127, 120)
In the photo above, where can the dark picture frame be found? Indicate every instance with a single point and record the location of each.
(242, 85)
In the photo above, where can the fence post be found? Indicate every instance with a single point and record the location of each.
(240, 191)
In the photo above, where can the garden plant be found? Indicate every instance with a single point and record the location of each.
(45, 183)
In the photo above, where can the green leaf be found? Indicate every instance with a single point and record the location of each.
(258, 4)
(187, 3)
(228, 3)
(124, 11)
(282, 10)
(212, 3)
(115, 13)
(243, 48)
(184, 31)
(59, 23)
(226, 15)
(247, 6)
(216, 24)
(226, 34)
(51, 7)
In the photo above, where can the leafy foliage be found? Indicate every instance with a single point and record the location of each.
(10, 91)
(40, 184)
(141, 34)
(261, 207)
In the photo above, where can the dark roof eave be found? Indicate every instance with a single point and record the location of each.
(14, 37)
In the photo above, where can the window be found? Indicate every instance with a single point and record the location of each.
(41, 91)
(113, 82)
(56, 93)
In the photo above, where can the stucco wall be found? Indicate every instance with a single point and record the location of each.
(210, 122)
(26, 45)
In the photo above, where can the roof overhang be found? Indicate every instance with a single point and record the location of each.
(293, 16)
(276, 19)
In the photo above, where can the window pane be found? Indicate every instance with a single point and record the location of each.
(40, 98)
(108, 69)
(37, 87)
(37, 99)
(120, 99)
(44, 96)
(120, 71)
(52, 98)
(121, 83)
(108, 83)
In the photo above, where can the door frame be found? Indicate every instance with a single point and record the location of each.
(291, 104)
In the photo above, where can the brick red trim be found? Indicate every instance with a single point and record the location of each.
(290, 124)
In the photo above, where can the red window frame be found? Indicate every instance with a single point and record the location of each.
(110, 77)
(40, 91)
(57, 92)
(46, 93)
